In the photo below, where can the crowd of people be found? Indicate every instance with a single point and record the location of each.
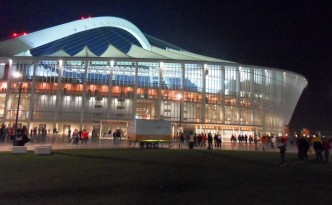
(321, 146)
(305, 145)
(78, 136)
(199, 140)
(83, 135)
(7, 134)
(211, 141)
(38, 135)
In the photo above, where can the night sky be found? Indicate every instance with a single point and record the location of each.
(290, 35)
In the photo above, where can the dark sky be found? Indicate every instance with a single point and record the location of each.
(290, 35)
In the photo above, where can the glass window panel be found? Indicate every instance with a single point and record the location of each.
(213, 79)
(193, 80)
(171, 76)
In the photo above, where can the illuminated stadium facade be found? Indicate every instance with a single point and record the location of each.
(99, 73)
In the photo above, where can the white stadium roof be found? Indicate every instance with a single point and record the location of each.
(71, 39)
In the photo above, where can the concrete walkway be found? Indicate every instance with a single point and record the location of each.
(59, 142)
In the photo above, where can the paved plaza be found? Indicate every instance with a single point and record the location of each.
(59, 142)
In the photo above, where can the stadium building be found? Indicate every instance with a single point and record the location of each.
(99, 73)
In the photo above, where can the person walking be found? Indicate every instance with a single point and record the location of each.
(204, 139)
(256, 142)
(318, 147)
(69, 134)
(195, 139)
(115, 141)
(326, 148)
(250, 139)
(200, 140)
(219, 141)
(84, 136)
(215, 140)
(2, 133)
(303, 147)
(282, 148)
(35, 136)
(210, 139)
(75, 137)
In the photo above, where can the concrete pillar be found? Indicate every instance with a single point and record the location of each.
(252, 97)
(109, 100)
(222, 81)
(134, 104)
(58, 95)
(238, 89)
(204, 73)
(32, 94)
(84, 98)
(262, 99)
(183, 69)
(9, 82)
(158, 113)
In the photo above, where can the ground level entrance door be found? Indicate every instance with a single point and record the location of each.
(65, 130)
(107, 127)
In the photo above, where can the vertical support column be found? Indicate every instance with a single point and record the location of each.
(58, 95)
(183, 69)
(9, 85)
(222, 81)
(273, 100)
(84, 99)
(158, 113)
(109, 100)
(204, 70)
(135, 91)
(284, 102)
(263, 101)
(252, 96)
(238, 108)
(32, 96)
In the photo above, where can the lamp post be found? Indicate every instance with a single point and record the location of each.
(179, 96)
(17, 75)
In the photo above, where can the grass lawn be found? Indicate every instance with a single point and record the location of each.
(135, 176)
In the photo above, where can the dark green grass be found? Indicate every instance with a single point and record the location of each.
(126, 176)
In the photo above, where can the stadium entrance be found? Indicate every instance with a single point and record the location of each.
(107, 127)
(226, 131)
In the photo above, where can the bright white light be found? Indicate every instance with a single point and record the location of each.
(226, 92)
(4, 85)
(205, 66)
(112, 63)
(179, 96)
(17, 74)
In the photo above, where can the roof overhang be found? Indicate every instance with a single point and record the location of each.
(21, 44)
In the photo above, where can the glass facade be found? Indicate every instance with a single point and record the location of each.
(196, 96)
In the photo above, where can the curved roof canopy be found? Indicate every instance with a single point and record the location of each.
(96, 37)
